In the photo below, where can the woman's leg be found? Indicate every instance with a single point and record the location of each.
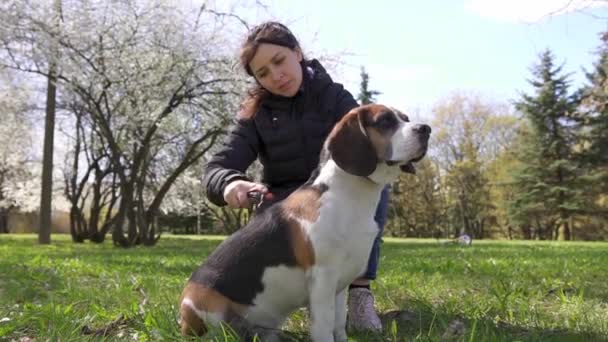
(362, 314)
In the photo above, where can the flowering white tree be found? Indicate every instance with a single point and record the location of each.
(18, 182)
(153, 82)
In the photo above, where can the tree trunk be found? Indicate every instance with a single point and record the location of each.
(126, 217)
(567, 233)
(96, 202)
(3, 221)
(44, 229)
(75, 225)
(527, 232)
(109, 219)
(117, 228)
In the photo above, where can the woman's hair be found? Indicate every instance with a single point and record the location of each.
(270, 32)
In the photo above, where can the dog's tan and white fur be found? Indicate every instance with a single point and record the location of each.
(325, 230)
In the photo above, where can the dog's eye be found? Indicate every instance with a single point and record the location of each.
(403, 117)
(386, 122)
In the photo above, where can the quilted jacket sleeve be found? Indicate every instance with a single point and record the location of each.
(239, 151)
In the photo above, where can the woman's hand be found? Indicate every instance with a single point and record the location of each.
(235, 193)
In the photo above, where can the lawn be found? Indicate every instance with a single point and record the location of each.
(490, 291)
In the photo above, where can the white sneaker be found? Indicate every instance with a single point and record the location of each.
(361, 312)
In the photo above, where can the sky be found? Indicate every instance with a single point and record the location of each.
(418, 52)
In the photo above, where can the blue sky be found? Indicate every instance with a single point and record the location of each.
(417, 52)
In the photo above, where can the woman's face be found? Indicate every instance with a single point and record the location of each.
(277, 69)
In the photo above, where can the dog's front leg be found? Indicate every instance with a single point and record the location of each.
(340, 317)
(322, 291)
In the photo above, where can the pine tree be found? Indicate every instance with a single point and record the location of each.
(546, 190)
(366, 96)
(593, 122)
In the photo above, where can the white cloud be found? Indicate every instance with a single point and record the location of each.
(528, 11)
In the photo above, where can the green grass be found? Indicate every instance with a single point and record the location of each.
(494, 291)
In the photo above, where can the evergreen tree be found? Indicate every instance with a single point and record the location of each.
(366, 96)
(546, 189)
(593, 122)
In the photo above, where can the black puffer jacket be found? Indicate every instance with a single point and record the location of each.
(286, 134)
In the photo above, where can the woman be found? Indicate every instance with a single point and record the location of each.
(284, 121)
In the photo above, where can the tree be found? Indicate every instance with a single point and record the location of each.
(417, 204)
(469, 133)
(366, 96)
(44, 228)
(593, 122)
(591, 150)
(156, 85)
(468, 188)
(95, 186)
(185, 203)
(547, 193)
(18, 174)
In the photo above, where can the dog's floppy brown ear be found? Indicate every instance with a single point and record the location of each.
(350, 148)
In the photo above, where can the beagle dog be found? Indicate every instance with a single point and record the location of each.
(307, 249)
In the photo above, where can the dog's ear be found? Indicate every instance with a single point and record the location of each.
(350, 147)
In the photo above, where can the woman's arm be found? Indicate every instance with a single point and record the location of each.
(239, 151)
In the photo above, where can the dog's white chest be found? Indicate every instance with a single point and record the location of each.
(285, 289)
(349, 253)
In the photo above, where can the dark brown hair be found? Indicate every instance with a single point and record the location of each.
(270, 32)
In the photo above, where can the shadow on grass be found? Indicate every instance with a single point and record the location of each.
(423, 323)
(426, 325)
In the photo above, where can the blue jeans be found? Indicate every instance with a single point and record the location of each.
(380, 218)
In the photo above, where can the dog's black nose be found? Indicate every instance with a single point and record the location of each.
(422, 129)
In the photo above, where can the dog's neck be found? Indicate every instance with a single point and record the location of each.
(382, 175)
(339, 180)
(349, 202)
